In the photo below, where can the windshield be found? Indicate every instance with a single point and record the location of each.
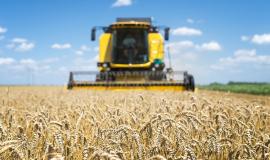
(130, 46)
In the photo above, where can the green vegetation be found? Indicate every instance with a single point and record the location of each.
(240, 87)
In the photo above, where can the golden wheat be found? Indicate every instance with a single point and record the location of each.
(56, 124)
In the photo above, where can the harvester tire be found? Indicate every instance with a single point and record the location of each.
(191, 80)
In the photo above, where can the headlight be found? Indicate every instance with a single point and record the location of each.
(105, 65)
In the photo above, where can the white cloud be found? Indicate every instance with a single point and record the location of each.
(6, 61)
(21, 45)
(63, 69)
(178, 47)
(249, 56)
(190, 20)
(261, 39)
(121, 3)
(188, 51)
(82, 63)
(96, 57)
(194, 21)
(2, 30)
(211, 46)
(96, 49)
(79, 52)
(82, 50)
(245, 53)
(189, 56)
(30, 64)
(19, 40)
(85, 64)
(61, 46)
(189, 46)
(242, 57)
(245, 38)
(27, 64)
(185, 31)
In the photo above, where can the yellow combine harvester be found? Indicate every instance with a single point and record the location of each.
(131, 56)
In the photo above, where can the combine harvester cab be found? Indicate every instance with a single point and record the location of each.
(131, 56)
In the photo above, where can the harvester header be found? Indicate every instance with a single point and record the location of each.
(131, 56)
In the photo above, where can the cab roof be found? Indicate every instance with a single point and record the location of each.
(132, 22)
(137, 20)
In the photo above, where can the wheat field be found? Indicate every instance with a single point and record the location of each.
(53, 123)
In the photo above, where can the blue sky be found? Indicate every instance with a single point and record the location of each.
(217, 41)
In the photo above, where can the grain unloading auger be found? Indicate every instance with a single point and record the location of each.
(131, 56)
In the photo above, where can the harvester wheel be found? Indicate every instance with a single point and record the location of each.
(191, 80)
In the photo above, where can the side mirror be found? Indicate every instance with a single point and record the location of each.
(93, 34)
(167, 33)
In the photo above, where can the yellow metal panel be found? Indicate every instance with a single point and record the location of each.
(105, 47)
(156, 46)
(145, 65)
